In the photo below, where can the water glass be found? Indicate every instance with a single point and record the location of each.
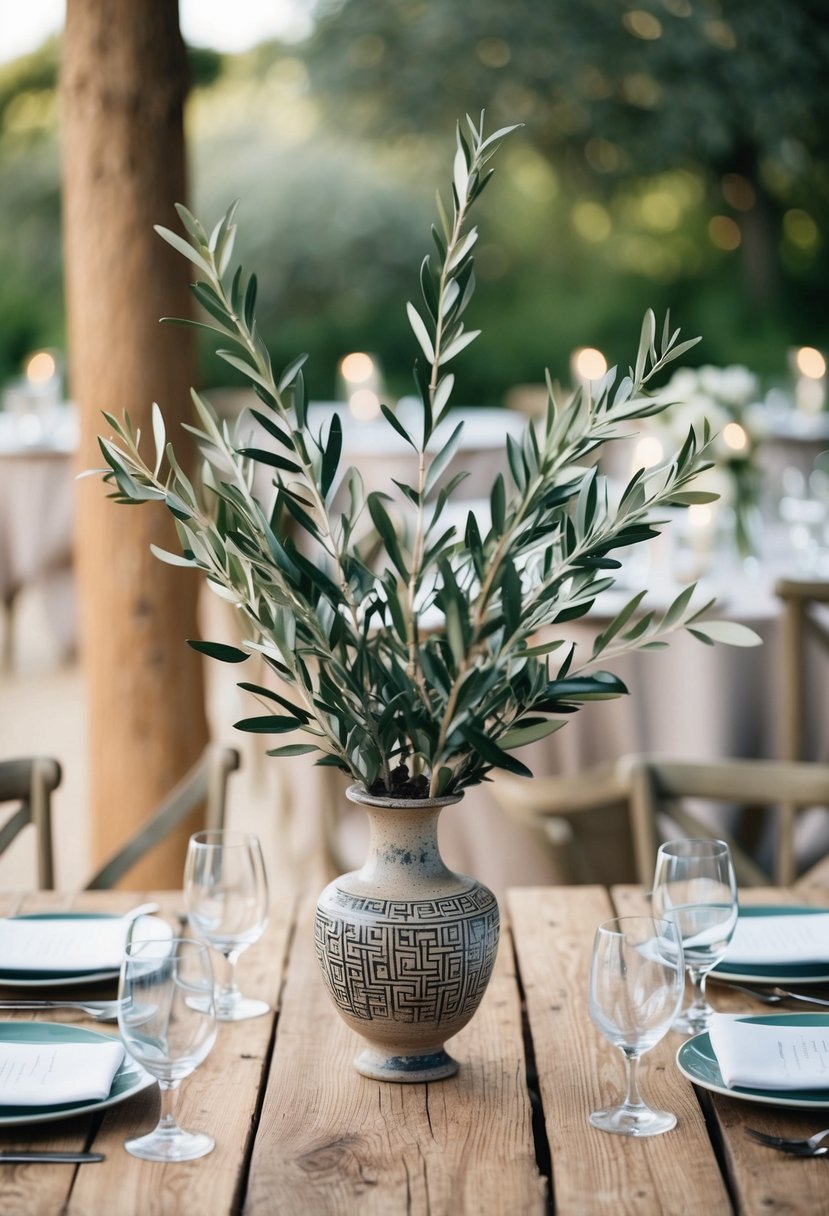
(637, 979)
(226, 893)
(167, 1020)
(695, 888)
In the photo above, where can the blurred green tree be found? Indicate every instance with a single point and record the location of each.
(614, 92)
(675, 153)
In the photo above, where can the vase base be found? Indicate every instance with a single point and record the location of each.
(424, 1066)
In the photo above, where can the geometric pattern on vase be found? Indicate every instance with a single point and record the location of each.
(419, 961)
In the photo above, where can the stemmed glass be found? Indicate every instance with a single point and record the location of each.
(694, 886)
(167, 1020)
(636, 985)
(226, 892)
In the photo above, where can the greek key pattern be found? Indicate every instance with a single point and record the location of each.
(424, 961)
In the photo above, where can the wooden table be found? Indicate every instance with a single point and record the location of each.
(299, 1132)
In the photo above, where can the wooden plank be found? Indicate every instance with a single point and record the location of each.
(221, 1098)
(28, 1190)
(764, 1180)
(768, 1181)
(332, 1141)
(578, 1070)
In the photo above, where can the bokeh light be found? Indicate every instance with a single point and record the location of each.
(589, 363)
(648, 452)
(364, 404)
(735, 437)
(357, 367)
(41, 367)
(810, 362)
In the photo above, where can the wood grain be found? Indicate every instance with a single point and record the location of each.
(578, 1071)
(765, 1180)
(220, 1098)
(331, 1141)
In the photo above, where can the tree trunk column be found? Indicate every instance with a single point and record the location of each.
(123, 85)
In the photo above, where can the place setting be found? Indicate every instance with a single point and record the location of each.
(160, 990)
(698, 929)
(777, 1059)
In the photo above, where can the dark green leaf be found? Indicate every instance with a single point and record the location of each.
(218, 650)
(292, 749)
(262, 456)
(271, 724)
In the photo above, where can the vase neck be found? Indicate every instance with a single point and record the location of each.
(403, 853)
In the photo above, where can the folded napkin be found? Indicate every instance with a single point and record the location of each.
(774, 1057)
(73, 944)
(779, 939)
(49, 1074)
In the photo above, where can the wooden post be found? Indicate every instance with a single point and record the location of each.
(123, 85)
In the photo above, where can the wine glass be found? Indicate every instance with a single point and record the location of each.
(167, 1019)
(636, 984)
(694, 886)
(226, 892)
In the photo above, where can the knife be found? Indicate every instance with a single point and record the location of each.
(26, 1155)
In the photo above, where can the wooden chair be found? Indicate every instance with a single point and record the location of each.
(644, 799)
(581, 821)
(657, 788)
(31, 782)
(205, 783)
(800, 624)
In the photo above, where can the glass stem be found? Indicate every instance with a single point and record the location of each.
(632, 1098)
(229, 991)
(698, 1004)
(169, 1099)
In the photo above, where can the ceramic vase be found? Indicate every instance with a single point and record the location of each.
(405, 945)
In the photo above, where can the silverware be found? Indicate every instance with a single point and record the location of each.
(774, 994)
(811, 1147)
(101, 1011)
(37, 1155)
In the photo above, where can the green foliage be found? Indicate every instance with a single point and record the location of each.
(656, 133)
(344, 620)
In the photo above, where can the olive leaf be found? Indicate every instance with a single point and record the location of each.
(401, 640)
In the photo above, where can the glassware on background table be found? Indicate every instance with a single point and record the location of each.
(226, 893)
(694, 886)
(167, 1020)
(637, 979)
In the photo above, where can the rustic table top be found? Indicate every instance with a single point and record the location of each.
(297, 1130)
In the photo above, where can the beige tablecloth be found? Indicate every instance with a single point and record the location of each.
(36, 520)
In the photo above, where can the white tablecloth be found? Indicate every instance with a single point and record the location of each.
(36, 515)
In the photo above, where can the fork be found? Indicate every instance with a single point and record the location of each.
(99, 1011)
(775, 994)
(811, 1147)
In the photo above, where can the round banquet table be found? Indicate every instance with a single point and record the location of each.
(36, 517)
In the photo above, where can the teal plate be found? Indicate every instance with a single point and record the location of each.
(775, 973)
(696, 1061)
(57, 979)
(130, 1078)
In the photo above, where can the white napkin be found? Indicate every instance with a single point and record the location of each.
(72, 944)
(779, 939)
(774, 1057)
(48, 1074)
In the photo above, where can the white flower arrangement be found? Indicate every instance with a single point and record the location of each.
(724, 397)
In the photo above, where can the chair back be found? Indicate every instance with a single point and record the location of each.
(205, 784)
(580, 821)
(658, 787)
(30, 782)
(801, 622)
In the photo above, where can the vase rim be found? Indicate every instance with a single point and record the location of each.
(358, 793)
